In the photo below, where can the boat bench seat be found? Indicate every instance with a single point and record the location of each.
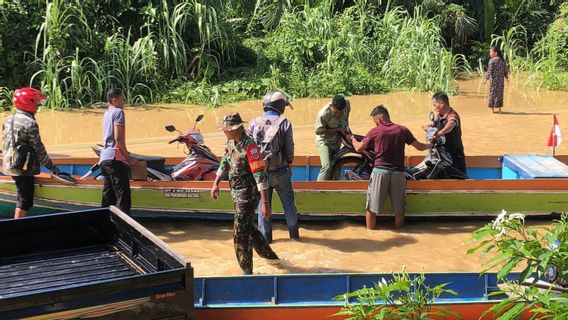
(532, 166)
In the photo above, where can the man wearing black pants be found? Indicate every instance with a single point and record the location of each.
(114, 157)
(18, 130)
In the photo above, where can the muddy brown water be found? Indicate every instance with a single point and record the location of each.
(344, 246)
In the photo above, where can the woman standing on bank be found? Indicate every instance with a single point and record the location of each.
(496, 74)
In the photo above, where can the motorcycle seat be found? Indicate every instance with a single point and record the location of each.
(141, 157)
(154, 162)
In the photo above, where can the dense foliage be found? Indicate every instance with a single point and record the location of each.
(216, 51)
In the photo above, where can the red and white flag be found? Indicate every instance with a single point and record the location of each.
(555, 137)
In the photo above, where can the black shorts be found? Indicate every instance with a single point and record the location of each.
(25, 188)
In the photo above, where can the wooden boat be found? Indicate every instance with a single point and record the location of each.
(309, 296)
(485, 194)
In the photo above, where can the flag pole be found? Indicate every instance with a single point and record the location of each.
(553, 135)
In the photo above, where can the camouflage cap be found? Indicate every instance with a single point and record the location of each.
(231, 122)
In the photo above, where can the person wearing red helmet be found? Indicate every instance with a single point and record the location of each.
(22, 129)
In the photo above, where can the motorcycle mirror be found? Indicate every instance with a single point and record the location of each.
(170, 128)
(199, 117)
(431, 116)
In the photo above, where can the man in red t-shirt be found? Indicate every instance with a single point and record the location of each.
(388, 173)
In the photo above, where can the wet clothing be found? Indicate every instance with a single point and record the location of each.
(25, 130)
(116, 172)
(279, 178)
(389, 140)
(496, 74)
(326, 120)
(383, 182)
(243, 164)
(112, 116)
(453, 143)
(116, 187)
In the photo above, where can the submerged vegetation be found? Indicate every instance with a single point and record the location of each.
(217, 51)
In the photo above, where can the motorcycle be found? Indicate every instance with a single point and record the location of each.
(437, 164)
(200, 164)
(348, 164)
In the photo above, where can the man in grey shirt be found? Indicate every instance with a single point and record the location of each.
(114, 157)
(273, 134)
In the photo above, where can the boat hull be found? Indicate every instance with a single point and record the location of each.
(315, 200)
(310, 296)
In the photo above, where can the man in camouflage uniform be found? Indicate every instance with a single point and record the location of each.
(243, 163)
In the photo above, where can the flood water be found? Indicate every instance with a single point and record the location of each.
(341, 246)
(334, 246)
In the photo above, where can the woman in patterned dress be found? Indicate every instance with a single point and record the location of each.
(496, 74)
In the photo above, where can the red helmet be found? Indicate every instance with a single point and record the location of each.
(27, 99)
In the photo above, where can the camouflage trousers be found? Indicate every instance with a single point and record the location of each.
(246, 235)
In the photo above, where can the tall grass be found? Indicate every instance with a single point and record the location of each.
(360, 46)
(186, 38)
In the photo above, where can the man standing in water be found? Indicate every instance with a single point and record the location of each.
(273, 134)
(332, 120)
(114, 157)
(243, 164)
(449, 125)
(19, 130)
(388, 174)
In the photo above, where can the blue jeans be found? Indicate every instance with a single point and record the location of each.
(281, 182)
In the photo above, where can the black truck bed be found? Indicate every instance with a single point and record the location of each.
(90, 264)
(54, 270)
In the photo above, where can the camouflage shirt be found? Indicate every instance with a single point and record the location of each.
(243, 163)
(24, 130)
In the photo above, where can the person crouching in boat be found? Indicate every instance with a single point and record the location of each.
(21, 135)
(243, 163)
(388, 174)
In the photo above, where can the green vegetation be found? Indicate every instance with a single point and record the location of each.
(218, 51)
(508, 244)
(402, 297)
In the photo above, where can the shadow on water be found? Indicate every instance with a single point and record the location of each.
(289, 267)
(350, 245)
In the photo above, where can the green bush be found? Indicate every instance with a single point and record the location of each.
(507, 243)
(401, 298)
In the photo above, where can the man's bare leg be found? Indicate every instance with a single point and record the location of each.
(20, 213)
(370, 219)
(399, 220)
